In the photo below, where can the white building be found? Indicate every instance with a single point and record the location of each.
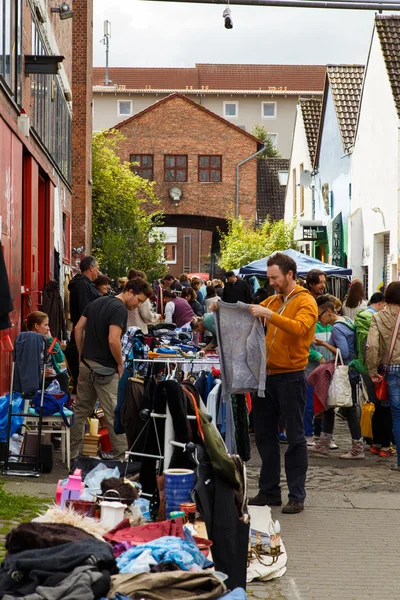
(374, 219)
(299, 195)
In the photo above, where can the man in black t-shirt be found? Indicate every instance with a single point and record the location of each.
(98, 339)
(236, 290)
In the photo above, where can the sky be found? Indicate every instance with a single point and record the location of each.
(168, 34)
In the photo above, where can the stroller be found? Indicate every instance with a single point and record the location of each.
(28, 375)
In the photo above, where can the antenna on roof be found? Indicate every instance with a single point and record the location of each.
(106, 42)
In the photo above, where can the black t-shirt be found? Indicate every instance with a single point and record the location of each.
(100, 314)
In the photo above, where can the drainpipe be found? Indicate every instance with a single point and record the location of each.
(237, 174)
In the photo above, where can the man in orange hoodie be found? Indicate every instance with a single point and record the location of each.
(290, 317)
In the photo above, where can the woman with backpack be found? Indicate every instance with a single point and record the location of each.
(383, 355)
(343, 339)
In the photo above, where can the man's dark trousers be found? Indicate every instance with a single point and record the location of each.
(285, 396)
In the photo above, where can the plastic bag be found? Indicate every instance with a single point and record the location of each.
(16, 422)
(94, 478)
(54, 387)
(367, 413)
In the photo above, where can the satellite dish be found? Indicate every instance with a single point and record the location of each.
(305, 178)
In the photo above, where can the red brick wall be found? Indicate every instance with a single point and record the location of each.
(82, 40)
(178, 127)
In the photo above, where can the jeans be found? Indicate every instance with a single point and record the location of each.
(393, 383)
(309, 412)
(351, 415)
(286, 397)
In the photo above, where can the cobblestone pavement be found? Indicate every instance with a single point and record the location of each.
(344, 546)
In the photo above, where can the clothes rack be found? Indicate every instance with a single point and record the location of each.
(169, 435)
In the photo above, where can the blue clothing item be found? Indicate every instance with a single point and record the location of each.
(209, 383)
(309, 412)
(370, 309)
(166, 549)
(343, 336)
(236, 594)
(16, 422)
(29, 347)
(121, 396)
(393, 383)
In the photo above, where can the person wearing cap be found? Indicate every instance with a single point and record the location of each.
(236, 290)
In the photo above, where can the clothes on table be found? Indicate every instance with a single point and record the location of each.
(166, 549)
(241, 340)
(34, 536)
(22, 573)
(168, 586)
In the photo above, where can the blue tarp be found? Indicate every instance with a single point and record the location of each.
(304, 264)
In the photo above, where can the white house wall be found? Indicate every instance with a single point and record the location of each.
(334, 169)
(375, 174)
(300, 155)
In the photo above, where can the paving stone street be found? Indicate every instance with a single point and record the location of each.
(344, 546)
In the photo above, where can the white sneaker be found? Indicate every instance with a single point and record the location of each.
(310, 441)
(332, 445)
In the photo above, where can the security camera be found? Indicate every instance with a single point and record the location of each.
(64, 10)
(226, 15)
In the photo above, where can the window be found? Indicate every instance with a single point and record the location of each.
(175, 167)
(268, 110)
(274, 138)
(51, 115)
(124, 108)
(187, 253)
(210, 168)
(11, 47)
(301, 191)
(66, 237)
(144, 166)
(294, 192)
(231, 110)
(170, 253)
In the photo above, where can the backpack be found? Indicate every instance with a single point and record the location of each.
(362, 323)
(51, 405)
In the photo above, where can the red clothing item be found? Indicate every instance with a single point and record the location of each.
(141, 534)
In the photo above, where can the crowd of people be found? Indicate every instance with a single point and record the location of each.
(306, 329)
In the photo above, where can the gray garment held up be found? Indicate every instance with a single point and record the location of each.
(241, 341)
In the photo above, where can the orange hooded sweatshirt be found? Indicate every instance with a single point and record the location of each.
(290, 334)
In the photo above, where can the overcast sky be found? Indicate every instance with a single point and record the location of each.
(168, 34)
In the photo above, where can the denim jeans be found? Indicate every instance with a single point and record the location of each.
(393, 383)
(286, 398)
(309, 412)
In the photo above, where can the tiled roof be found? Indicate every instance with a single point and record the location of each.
(196, 106)
(388, 28)
(212, 77)
(270, 194)
(346, 83)
(311, 113)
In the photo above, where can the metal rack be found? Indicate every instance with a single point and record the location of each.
(169, 435)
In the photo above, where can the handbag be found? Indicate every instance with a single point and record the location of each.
(339, 394)
(100, 374)
(381, 390)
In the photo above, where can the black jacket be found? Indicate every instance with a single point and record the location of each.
(81, 293)
(53, 306)
(6, 303)
(197, 308)
(237, 292)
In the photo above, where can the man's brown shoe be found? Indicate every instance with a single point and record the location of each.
(293, 507)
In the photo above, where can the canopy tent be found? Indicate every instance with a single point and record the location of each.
(304, 264)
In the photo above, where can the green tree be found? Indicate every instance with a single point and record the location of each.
(244, 242)
(270, 151)
(125, 213)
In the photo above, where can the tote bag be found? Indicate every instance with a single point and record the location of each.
(339, 394)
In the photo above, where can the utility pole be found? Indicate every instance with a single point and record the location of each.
(106, 42)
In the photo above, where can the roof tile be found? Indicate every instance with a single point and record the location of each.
(346, 83)
(305, 78)
(311, 112)
(388, 28)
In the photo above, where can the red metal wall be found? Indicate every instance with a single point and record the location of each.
(11, 178)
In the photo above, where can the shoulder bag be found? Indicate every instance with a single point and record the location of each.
(381, 390)
(339, 394)
(100, 374)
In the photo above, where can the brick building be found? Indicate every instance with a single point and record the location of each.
(36, 170)
(192, 155)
